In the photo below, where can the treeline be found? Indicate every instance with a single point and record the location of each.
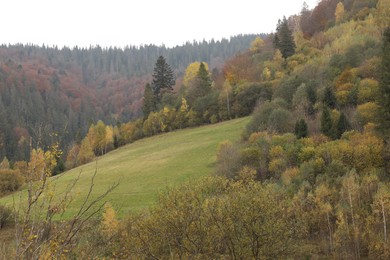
(46, 90)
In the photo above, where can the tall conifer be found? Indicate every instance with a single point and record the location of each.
(384, 100)
(163, 79)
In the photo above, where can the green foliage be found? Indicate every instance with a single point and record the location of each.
(5, 216)
(301, 129)
(163, 78)
(287, 88)
(329, 98)
(228, 160)
(149, 102)
(214, 218)
(342, 126)
(283, 39)
(384, 86)
(326, 122)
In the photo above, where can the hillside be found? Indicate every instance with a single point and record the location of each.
(148, 166)
(46, 90)
(308, 179)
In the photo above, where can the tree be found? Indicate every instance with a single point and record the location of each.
(283, 39)
(384, 86)
(301, 128)
(342, 125)
(163, 78)
(339, 13)
(329, 98)
(4, 165)
(191, 72)
(199, 86)
(382, 14)
(85, 154)
(149, 102)
(256, 45)
(326, 122)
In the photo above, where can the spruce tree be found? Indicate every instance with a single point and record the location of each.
(301, 129)
(384, 86)
(163, 79)
(283, 39)
(326, 122)
(329, 98)
(203, 81)
(342, 126)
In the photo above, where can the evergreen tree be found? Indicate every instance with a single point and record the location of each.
(311, 97)
(163, 79)
(301, 129)
(203, 81)
(342, 126)
(149, 102)
(326, 122)
(283, 39)
(384, 100)
(329, 98)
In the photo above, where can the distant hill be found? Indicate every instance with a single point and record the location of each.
(46, 90)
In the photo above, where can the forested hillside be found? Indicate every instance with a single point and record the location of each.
(310, 177)
(46, 90)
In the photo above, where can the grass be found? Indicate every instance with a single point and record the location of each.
(148, 166)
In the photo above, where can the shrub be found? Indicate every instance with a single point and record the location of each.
(10, 181)
(5, 216)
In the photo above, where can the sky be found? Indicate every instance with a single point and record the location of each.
(123, 23)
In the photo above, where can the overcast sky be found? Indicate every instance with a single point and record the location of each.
(134, 22)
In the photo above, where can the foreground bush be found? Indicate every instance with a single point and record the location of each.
(214, 218)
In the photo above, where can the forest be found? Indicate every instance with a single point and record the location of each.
(310, 177)
(47, 90)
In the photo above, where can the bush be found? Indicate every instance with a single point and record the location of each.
(5, 216)
(10, 181)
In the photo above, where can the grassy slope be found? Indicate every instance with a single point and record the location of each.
(149, 165)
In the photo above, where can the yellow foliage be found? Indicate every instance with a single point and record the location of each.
(368, 90)
(382, 16)
(339, 13)
(192, 71)
(277, 166)
(266, 74)
(307, 153)
(41, 164)
(367, 113)
(276, 152)
(4, 164)
(110, 222)
(289, 174)
(342, 97)
(256, 45)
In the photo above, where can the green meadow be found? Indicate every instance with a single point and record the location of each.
(147, 167)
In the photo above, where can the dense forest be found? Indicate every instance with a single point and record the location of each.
(46, 90)
(310, 177)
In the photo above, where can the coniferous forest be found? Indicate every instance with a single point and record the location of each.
(309, 178)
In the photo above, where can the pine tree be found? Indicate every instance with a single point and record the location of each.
(342, 126)
(384, 86)
(301, 129)
(326, 122)
(283, 39)
(329, 98)
(203, 81)
(163, 79)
